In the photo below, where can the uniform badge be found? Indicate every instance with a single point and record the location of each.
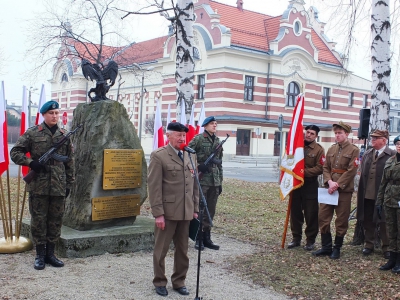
(356, 162)
(322, 160)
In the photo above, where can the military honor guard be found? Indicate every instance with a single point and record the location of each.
(339, 170)
(52, 184)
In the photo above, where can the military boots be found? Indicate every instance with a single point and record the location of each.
(50, 257)
(396, 268)
(390, 263)
(336, 247)
(40, 255)
(208, 243)
(326, 249)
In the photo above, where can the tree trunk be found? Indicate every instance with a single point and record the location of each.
(380, 62)
(184, 74)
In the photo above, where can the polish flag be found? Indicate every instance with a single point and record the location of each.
(4, 160)
(39, 117)
(292, 165)
(168, 121)
(24, 123)
(202, 117)
(192, 130)
(158, 134)
(183, 113)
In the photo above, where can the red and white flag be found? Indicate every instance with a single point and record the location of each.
(202, 117)
(4, 159)
(192, 130)
(168, 121)
(158, 133)
(292, 165)
(183, 113)
(24, 122)
(39, 117)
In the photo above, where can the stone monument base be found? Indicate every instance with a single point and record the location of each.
(75, 243)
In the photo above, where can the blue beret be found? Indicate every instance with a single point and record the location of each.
(208, 120)
(49, 105)
(396, 139)
(176, 126)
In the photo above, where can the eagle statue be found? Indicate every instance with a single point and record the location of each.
(105, 78)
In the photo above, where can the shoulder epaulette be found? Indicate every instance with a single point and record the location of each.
(160, 149)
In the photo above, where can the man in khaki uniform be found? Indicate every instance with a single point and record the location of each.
(339, 171)
(372, 164)
(174, 200)
(305, 199)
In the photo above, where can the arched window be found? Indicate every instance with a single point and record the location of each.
(64, 78)
(196, 53)
(292, 92)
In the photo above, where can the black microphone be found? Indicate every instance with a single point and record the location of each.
(187, 149)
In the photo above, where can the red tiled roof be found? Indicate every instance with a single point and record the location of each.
(324, 54)
(90, 51)
(272, 27)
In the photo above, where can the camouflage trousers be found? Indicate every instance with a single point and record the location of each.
(211, 194)
(46, 217)
(393, 227)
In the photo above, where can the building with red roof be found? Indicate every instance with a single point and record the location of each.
(249, 69)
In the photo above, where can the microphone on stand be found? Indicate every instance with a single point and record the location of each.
(184, 147)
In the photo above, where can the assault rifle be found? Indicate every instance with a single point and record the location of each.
(212, 158)
(51, 153)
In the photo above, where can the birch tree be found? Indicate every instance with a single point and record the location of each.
(380, 62)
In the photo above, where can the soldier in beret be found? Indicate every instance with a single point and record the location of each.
(388, 201)
(211, 183)
(174, 200)
(372, 164)
(339, 170)
(305, 199)
(52, 184)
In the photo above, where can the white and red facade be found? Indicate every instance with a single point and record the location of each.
(234, 46)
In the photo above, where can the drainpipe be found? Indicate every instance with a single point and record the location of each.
(267, 94)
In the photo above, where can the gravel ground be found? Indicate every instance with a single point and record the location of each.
(127, 276)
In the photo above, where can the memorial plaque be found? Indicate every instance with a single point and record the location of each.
(105, 208)
(122, 169)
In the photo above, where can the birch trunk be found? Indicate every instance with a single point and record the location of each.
(380, 61)
(184, 74)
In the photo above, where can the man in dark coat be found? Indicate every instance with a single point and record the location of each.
(372, 165)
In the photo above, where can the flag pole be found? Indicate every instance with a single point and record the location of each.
(287, 220)
(17, 208)
(22, 212)
(4, 215)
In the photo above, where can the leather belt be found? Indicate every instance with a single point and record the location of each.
(395, 182)
(338, 171)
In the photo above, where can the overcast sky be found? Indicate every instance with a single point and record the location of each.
(14, 15)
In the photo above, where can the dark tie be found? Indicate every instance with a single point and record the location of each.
(376, 154)
(180, 155)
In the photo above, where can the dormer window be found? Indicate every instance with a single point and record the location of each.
(196, 53)
(64, 78)
(297, 27)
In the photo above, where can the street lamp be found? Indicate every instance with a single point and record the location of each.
(141, 97)
(31, 89)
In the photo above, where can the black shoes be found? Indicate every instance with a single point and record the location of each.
(207, 242)
(50, 257)
(162, 291)
(309, 246)
(386, 255)
(40, 255)
(390, 263)
(367, 251)
(182, 290)
(293, 244)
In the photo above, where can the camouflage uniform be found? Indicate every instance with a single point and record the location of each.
(388, 196)
(211, 181)
(47, 190)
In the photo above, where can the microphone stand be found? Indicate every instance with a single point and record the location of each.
(203, 206)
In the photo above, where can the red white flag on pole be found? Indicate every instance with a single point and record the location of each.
(4, 160)
(192, 130)
(24, 122)
(183, 113)
(168, 121)
(202, 117)
(292, 165)
(39, 117)
(158, 135)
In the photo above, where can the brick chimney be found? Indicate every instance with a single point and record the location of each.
(239, 4)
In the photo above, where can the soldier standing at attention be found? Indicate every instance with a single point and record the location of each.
(211, 183)
(52, 184)
(339, 171)
(388, 199)
(305, 199)
(372, 164)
